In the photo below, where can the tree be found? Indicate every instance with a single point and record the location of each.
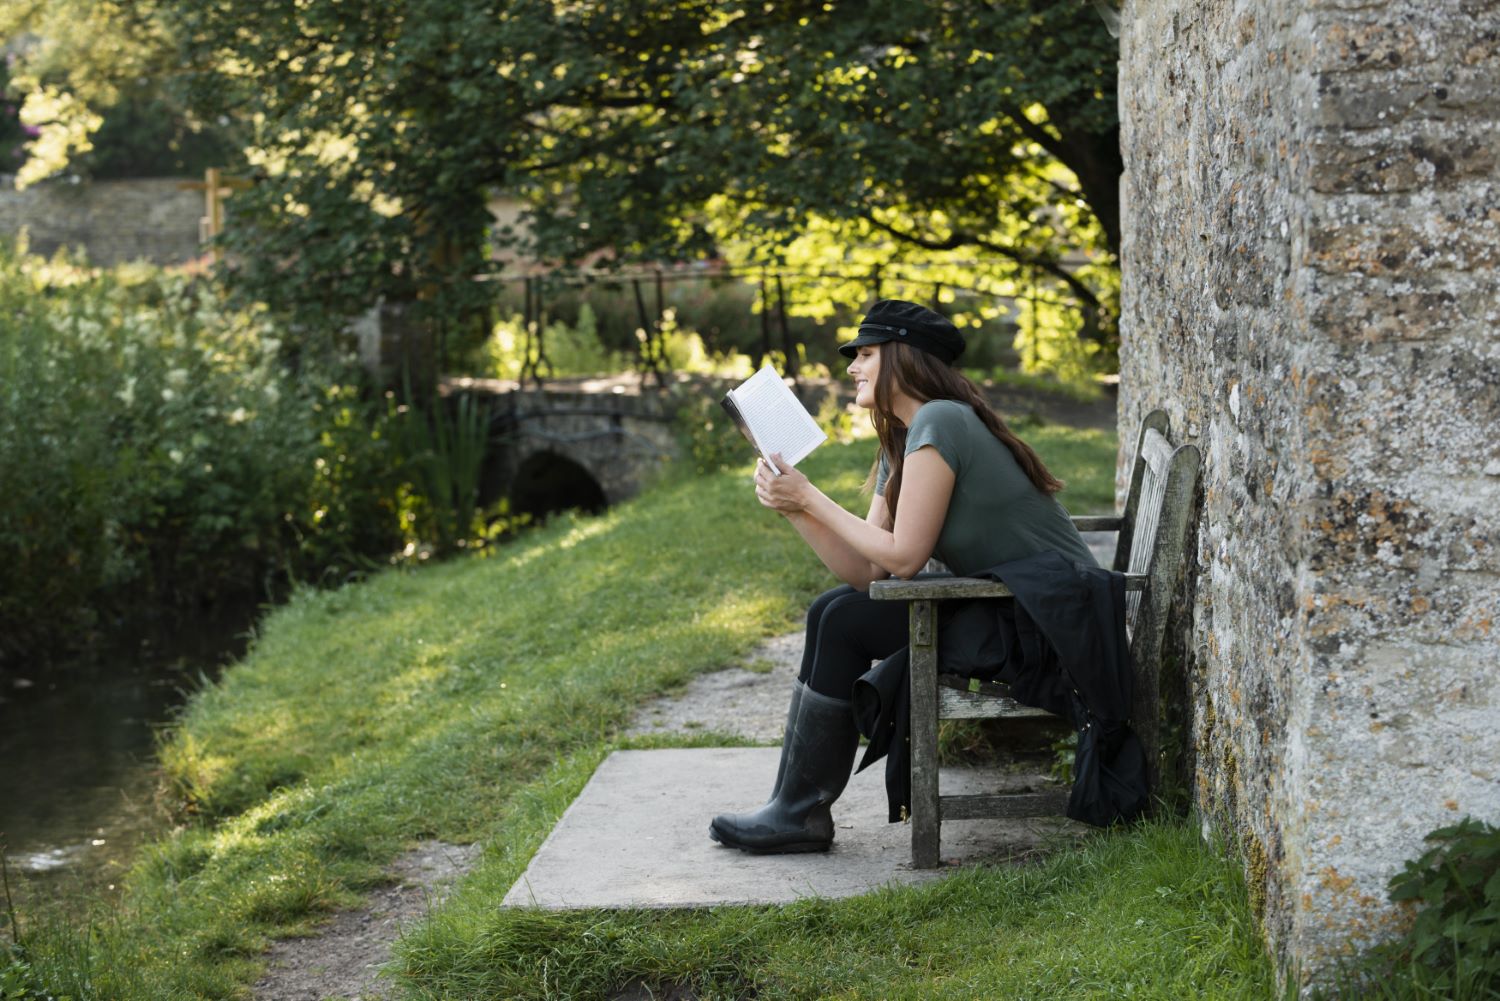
(94, 80)
(981, 129)
(656, 128)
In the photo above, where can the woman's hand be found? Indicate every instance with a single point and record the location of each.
(789, 492)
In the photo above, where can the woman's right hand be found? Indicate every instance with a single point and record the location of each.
(788, 493)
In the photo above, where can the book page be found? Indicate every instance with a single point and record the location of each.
(777, 420)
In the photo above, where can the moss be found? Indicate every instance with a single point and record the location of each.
(1256, 874)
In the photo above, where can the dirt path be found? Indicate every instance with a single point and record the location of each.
(748, 702)
(343, 960)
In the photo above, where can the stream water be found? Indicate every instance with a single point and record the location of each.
(78, 775)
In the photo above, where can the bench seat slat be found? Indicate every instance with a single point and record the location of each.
(981, 705)
(939, 588)
(1006, 805)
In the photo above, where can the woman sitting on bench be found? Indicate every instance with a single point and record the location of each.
(951, 481)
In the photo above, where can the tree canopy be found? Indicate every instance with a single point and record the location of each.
(656, 129)
(91, 84)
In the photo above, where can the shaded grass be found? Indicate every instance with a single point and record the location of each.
(471, 701)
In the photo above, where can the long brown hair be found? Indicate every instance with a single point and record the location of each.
(923, 377)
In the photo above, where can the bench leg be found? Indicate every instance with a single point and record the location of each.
(925, 819)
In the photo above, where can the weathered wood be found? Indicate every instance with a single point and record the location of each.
(1156, 421)
(1006, 806)
(1167, 563)
(959, 683)
(979, 705)
(948, 588)
(925, 819)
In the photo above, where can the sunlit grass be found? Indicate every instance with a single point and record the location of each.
(471, 700)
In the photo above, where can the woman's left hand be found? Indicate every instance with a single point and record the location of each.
(791, 491)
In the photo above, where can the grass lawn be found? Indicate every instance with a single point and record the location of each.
(472, 700)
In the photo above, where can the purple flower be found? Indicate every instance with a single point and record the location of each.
(31, 131)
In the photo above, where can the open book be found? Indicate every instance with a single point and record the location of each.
(772, 418)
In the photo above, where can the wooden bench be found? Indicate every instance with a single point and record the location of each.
(1152, 535)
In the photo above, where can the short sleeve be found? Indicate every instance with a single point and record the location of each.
(940, 423)
(882, 473)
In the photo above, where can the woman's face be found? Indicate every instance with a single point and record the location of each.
(864, 369)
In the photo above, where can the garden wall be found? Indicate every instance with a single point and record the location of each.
(152, 219)
(1311, 257)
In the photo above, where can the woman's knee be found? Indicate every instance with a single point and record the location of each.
(815, 613)
(820, 604)
(854, 615)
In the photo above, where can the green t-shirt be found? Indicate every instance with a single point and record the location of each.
(996, 514)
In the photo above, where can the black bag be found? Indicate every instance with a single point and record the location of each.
(1109, 772)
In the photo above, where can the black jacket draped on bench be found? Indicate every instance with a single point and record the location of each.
(1060, 645)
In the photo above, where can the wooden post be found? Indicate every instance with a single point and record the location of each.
(528, 367)
(925, 820)
(786, 331)
(215, 187)
(1168, 564)
(650, 343)
(1033, 320)
(1156, 419)
(661, 334)
(765, 321)
(541, 335)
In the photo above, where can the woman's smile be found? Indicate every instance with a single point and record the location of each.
(865, 368)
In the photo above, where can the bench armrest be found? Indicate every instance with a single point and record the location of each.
(1097, 522)
(895, 589)
(944, 588)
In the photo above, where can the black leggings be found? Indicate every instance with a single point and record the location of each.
(846, 631)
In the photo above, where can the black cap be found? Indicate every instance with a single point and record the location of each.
(911, 324)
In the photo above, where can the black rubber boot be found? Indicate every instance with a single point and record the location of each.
(786, 737)
(817, 757)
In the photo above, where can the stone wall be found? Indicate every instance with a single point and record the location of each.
(1311, 263)
(113, 221)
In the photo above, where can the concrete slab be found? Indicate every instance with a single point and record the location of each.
(637, 836)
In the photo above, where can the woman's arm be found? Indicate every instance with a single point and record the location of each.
(837, 555)
(901, 549)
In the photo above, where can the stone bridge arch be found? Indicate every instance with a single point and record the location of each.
(551, 450)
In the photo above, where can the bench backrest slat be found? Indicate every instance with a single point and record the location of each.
(1156, 460)
(1155, 421)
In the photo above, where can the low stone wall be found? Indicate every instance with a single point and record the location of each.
(151, 219)
(1311, 258)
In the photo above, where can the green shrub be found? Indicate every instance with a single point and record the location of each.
(156, 449)
(568, 347)
(1452, 948)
